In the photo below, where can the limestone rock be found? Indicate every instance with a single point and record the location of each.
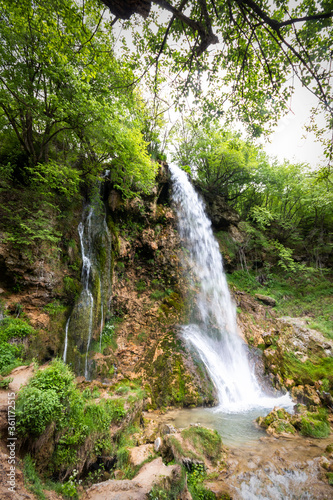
(220, 213)
(269, 301)
(139, 487)
(157, 444)
(139, 454)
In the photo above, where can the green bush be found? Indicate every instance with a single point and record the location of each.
(58, 377)
(195, 479)
(11, 354)
(36, 409)
(11, 328)
(81, 426)
(10, 357)
(109, 338)
(4, 383)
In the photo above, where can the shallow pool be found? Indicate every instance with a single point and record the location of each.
(235, 428)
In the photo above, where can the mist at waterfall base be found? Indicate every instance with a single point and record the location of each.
(212, 331)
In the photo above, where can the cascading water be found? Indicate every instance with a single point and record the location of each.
(213, 330)
(64, 357)
(92, 305)
(86, 294)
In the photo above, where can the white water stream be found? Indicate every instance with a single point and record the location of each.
(213, 330)
(86, 295)
(64, 357)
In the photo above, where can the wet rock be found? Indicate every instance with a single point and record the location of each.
(306, 394)
(220, 213)
(114, 200)
(277, 423)
(167, 429)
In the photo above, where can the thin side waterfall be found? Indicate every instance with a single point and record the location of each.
(213, 329)
(87, 296)
(92, 306)
(64, 357)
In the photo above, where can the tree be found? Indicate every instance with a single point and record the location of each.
(262, 47)
(62, 96)
(222, 163)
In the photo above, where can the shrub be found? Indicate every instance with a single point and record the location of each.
(36, 409)
(81, 426)
(11, 354)
(11, 328)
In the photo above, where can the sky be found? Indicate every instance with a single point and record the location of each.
(290, 140)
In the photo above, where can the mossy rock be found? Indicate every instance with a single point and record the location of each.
(278, 421)
(170, 380)
(310, 424)
(313, 424)
(192, 446)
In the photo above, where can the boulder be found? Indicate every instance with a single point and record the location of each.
(269, 301)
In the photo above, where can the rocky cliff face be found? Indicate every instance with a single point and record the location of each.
(138, 289)
(147, 304)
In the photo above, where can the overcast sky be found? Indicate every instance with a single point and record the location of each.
(290, 140)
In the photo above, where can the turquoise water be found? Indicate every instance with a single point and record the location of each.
(235, 428)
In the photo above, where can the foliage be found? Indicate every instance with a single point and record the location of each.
(261, 45)
(67, 106)
(32, 479)
(51, 401)
(109, 336)
(220, 161)
(196, 477)
(12, 352)
(4, 382)
(301, 293)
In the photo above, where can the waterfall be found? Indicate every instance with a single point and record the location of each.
(64, 357)
(93, 303)
(86, 294)
(213, 328)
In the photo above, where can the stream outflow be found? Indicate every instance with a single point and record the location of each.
(213, 328)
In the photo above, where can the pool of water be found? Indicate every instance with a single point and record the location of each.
(235, 428)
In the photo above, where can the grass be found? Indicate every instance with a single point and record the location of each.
(31, 478)
(309, 293)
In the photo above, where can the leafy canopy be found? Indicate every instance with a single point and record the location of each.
(249, 53)
(66, 102)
